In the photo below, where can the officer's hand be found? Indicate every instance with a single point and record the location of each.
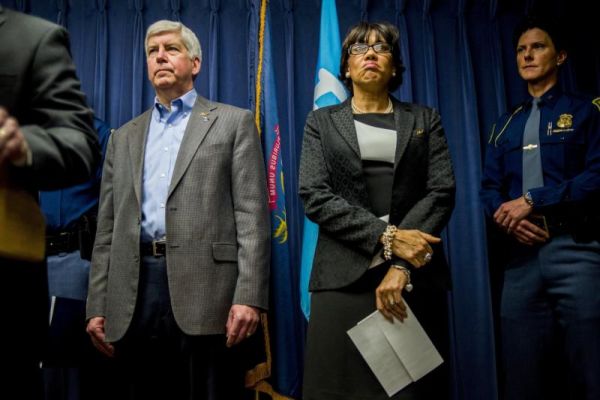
(242, 323)
(529, 233)
(95, 328)
(13, 146)
(509, 214)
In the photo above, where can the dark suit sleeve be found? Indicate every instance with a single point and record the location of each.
(431, 213)
(62, 140)
(347, 222)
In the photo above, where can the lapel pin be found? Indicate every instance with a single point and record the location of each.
(204, 116)
(419, 132)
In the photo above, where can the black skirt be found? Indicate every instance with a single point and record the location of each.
(335, 370)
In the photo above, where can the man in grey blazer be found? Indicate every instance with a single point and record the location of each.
(180, 264)
(47, 142)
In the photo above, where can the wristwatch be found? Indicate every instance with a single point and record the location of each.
(528, 199)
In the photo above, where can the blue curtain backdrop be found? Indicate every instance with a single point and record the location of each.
(459, 58)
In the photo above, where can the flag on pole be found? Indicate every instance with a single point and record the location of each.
(329, 90)
(284, 341)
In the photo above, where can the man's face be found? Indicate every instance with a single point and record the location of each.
(537, 58)
(169, 65)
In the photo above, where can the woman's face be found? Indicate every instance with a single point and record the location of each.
(371, 71)
(537, 58)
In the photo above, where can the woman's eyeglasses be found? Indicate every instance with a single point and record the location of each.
(362, 48)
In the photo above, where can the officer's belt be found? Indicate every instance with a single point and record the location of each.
(62, 242)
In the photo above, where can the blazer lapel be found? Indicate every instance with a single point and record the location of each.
(404, 122)
(136, 139)
(200, 122)
(344, 123)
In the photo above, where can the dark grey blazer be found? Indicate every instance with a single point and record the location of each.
(334, 192)
(39, 87)
(217, 221)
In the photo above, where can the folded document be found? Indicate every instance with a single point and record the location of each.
(398, 353)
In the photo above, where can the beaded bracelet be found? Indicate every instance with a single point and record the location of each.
(387, 239)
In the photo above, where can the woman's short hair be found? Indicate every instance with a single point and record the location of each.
(360, 34)
(189, 38)
(545, 23)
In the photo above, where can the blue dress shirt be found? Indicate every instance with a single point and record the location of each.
(162, 145)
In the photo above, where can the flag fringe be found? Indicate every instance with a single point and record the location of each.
(259, 70)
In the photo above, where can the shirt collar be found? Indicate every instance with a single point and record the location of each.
(183, 104)
(549, 98)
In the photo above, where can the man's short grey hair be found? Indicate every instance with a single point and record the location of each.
(189, 38)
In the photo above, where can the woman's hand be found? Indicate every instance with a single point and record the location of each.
(388, 295)
(414, 246)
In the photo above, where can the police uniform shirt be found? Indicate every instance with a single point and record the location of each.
(62, 208)
(570, 149)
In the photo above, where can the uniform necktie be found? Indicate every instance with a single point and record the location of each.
(532, 156)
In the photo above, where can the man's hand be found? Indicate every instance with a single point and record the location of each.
(413, 246)
(388, 295)
(13, 146)
(95, 328)
(509, 214)
(529, 234)
(242, 323)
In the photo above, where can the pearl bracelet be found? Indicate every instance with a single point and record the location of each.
(387, 239)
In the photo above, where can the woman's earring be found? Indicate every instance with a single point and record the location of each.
(347, 74)
(394, 73)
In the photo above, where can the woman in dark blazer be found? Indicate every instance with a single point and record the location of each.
(376, 176)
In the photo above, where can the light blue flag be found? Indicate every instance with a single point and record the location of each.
(328, 91)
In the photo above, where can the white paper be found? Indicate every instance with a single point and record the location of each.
(398, 353)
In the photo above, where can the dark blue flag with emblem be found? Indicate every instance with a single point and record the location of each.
(284, 318)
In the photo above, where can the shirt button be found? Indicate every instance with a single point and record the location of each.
(162, 205)
(162, 175)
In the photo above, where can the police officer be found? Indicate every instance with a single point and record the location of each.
(72, 368)
(541, 186)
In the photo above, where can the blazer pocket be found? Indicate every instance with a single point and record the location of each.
(225, 252)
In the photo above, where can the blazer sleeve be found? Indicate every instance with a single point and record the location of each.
(58, 125)
(251, 213)
(96, 300)
(431, 213)
(347, 222)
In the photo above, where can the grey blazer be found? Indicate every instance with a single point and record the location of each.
(334, 192)
(217, 222)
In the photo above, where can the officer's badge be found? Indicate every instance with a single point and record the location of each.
(565, 121)
(596, 102)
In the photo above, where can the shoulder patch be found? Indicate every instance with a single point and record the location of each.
(596, 102)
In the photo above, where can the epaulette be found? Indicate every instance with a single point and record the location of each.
(515, 112)
(596, 102)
